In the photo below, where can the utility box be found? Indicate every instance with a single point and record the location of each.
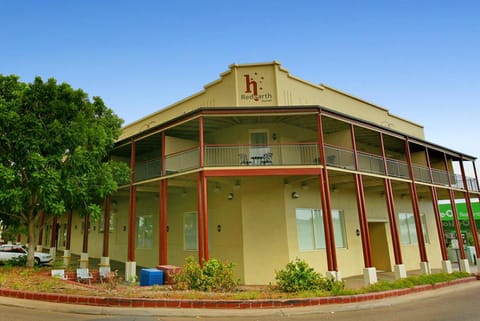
(150, 277)
(169, 272)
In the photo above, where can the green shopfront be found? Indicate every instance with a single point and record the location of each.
(446, 214)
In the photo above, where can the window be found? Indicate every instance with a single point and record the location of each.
(102, 222)
(408, 234)
(145, 231)
(190, 231)
(310, 231)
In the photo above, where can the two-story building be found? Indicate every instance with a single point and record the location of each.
(262, 167)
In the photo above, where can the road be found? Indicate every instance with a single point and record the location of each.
(458, 302)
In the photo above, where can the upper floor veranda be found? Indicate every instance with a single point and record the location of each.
(304, 138)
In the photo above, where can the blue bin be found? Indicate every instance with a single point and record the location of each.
(149, 277)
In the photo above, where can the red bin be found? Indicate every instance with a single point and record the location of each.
(168, 273)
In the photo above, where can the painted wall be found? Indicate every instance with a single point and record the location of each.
(264, 228)
(274, 86)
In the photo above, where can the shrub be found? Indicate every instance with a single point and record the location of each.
(299, 276)
(17, 261)
(215, 276)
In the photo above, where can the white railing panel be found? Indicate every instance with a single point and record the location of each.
(182, 161)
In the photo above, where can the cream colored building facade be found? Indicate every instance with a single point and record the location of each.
(244, 171)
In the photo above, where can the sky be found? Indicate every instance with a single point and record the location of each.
(418, 59)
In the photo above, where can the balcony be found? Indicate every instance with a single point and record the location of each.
(298, 154)
(294, 154)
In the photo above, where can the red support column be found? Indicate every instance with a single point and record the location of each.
(393, 221)
(132, 208)
(471, 217)
(476, 177)
(163, 199)
(106, 227)
(200, 221)
(390, 199)
(362, 218)
(415, 206)
(331, 250)
(201, 142)
(361, 207)
(205, 215)
(163, 154)
(438, 222)
(456, 222)
(458, 230)
(438, 219)
(331, 259)
(203, 192)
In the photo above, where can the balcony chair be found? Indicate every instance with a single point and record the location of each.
(244, 159)
(267, 159)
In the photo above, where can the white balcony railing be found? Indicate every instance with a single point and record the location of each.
(295, 154)
(148, 169)
(182, 161)
(260, 155)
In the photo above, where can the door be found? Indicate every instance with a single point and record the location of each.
(258, 145)
(379, 243)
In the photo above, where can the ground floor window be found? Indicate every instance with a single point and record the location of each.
(145, 231)
(310, 229)
(408, 233)
(101, 225)
(190, 231)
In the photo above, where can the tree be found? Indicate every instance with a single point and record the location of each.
(54, 144)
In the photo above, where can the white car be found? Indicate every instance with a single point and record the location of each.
(8, 252)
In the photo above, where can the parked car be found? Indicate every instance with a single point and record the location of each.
(8, 252)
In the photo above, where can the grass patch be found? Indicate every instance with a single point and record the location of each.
(413, 281)
(39, 280)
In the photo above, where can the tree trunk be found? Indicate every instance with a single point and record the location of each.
(32, 244)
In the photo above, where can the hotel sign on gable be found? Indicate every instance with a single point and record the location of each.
(254, 90)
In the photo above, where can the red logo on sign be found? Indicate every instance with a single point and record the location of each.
(249, 84)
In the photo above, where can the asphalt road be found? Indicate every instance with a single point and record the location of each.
(460, 302)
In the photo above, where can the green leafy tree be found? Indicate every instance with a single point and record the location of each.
(54, 144)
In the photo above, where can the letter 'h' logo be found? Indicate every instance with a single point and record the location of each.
(249, 84)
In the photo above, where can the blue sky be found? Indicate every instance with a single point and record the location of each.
(419, 59)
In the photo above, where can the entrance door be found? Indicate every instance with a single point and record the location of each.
(379, 243)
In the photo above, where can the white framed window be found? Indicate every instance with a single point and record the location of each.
(310, 229)
(145, 232)
(406, 226)
(112, 225)
(190, 231)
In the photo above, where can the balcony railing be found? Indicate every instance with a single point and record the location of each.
(148, 169)
(295, 154)
(370, 163)
(261, 155)
(339, 157)
(182, 161)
